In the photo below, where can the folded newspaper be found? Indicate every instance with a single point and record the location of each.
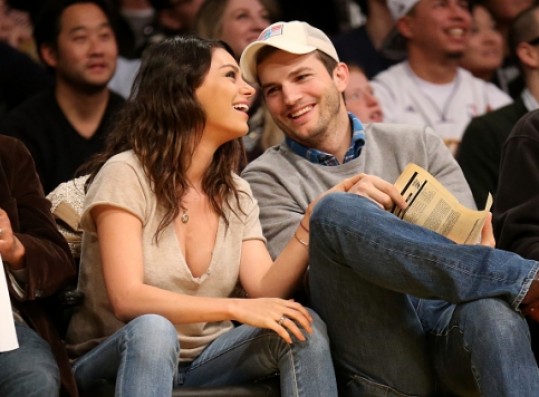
(432, 206)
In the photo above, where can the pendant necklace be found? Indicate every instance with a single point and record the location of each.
(185, 216)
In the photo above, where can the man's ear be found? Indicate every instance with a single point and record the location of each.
(404, 26)
(49, 55)
(340, 76)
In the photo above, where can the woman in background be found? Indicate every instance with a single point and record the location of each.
(484, 54)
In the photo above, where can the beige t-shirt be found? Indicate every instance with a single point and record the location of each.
(122, 183)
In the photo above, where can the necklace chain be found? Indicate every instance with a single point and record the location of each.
(441, 112)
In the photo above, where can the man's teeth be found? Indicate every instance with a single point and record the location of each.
(456, 32)
(301, 111)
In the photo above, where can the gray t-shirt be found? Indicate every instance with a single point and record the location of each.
(122, 183)
(285, 183)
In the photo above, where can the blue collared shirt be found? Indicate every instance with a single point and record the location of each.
(318, 157)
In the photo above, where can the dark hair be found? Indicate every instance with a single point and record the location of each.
(47, 20)
(525, 27)
(162, 122)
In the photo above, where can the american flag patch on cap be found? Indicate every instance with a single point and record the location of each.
(271, 31)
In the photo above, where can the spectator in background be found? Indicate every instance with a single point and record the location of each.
(484, 54)
(20, 78)
(359, 96)
(504, 13)
(38, 263)
(238, 23)
(363, 45)
(430, 88)
(63, 127)
(480, 150)
(16, 28)
(516, 208)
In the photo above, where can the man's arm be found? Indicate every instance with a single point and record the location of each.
(47, 262)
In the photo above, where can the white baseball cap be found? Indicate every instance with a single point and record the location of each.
(399, 8)
(394, 45)
(295, 37)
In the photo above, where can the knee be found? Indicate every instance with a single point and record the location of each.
(318, 340)
(494, 319)
(152, 335)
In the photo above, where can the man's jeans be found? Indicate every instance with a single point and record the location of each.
(375, 281)
(142, 357)
(30, 370)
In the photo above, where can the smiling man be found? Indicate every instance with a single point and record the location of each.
(429, 88)
(408, 312)
(63, 127)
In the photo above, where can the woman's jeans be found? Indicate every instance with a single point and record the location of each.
(30, 370)
(410, 313)
(142, 357)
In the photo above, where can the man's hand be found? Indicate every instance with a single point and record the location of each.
(376, 189)
(487, 235)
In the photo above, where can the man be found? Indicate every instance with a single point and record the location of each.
(429, 87)
(366, 265)
(62, 128)
(38, 263)
(480, 150)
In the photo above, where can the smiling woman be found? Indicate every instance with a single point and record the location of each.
(169, 232)
(484, 53)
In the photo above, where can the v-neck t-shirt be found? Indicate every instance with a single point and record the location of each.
(123, 183)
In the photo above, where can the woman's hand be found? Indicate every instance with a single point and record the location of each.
(285, 317)
(11, 249)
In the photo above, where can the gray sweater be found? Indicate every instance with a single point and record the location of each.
(284, 183)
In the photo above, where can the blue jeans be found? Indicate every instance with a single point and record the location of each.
(142, 357)
(383, 287)
(29, 370)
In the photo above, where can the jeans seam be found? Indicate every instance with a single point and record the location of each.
(223, 352)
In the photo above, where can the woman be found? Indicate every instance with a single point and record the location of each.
(484, 53)
(238, 23)
(170, 230)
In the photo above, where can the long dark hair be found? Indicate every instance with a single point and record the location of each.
(162, 123)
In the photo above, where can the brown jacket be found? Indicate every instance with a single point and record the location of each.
(48, 260)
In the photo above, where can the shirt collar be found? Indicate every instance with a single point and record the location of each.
(319, 157)
(529, 100)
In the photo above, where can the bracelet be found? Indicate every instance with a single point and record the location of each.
(303, 227)
(300, 240)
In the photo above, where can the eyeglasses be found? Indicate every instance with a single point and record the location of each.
(534, 41)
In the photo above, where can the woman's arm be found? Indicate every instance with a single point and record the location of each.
(120, 244)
